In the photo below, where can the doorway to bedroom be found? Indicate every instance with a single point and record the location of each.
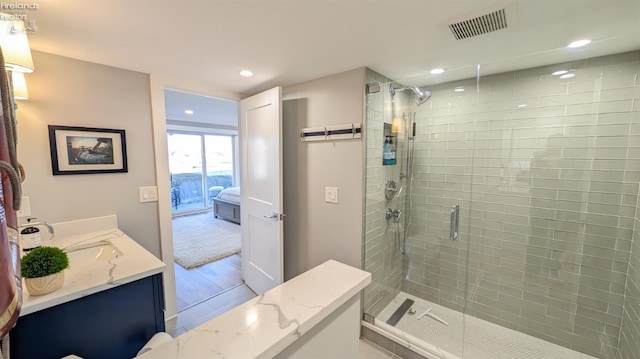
(202, 143)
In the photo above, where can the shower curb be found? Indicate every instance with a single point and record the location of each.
(391, 343)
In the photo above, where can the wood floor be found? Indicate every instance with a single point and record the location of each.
(198, 284)
(209, 309)
(204, 292)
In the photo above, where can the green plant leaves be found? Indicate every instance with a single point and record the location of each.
(43, 261)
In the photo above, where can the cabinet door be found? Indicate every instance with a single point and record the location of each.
(114, 323)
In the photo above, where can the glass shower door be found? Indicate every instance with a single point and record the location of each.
(438, 210)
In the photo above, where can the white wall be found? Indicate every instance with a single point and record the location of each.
(71, 92)
(315, 231)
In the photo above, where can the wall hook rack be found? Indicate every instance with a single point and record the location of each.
(347, 131)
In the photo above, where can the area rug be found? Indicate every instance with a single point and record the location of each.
(201, 238)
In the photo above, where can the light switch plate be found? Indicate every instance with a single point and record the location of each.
(148, 194)
(331, 194)
(25, 208)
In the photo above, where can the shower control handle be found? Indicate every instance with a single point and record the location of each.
(393, 213)
(454, 222)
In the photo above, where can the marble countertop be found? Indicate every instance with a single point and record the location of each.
(135, 263)
(267, 324)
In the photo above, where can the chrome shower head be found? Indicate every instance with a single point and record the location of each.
(421, 96)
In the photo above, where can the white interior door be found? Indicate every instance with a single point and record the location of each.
(261, 190)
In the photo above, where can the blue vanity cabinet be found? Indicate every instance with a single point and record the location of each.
(114, 323)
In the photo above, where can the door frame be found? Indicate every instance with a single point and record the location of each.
(157, 85)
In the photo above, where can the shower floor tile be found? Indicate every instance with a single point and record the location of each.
(483, 340)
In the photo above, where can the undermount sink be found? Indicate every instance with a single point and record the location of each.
(85, 254)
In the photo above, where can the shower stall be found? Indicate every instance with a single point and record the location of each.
(509, 224)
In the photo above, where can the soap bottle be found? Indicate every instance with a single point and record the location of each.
(386, 151)
(392, 151)
(30, 237)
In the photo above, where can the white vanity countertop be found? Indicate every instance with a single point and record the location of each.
(135, 263)
(267, 324)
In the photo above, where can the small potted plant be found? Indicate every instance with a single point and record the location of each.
(43, 270)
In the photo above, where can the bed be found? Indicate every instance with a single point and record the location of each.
(226, 205)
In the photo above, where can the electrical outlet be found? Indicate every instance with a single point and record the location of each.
(25, 208)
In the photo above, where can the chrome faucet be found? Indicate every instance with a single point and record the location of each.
(36, 224)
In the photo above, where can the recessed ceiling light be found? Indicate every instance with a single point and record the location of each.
(578, 43)
(246, 73)
(559, 72)
(567, 76)
(522, 105)
(459, 89)
(437, 71)
(188, 112)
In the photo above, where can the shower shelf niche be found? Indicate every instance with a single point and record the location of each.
(390, 138)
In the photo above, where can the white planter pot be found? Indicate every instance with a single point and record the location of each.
(44, 285)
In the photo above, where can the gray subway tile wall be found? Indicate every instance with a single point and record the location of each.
(546, 172)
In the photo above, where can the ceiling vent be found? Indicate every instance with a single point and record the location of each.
(479, 25)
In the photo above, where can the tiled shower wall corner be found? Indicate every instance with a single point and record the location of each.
(630, 334)
(381, 255)
(546, 172)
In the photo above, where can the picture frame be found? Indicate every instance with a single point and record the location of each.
(87, 150)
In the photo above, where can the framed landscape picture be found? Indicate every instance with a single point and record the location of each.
(85, 150)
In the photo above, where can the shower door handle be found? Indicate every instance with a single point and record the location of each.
(454, 222)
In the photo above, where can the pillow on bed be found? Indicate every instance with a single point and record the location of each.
(231, 194)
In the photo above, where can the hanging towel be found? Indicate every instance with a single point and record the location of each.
(10, 192)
